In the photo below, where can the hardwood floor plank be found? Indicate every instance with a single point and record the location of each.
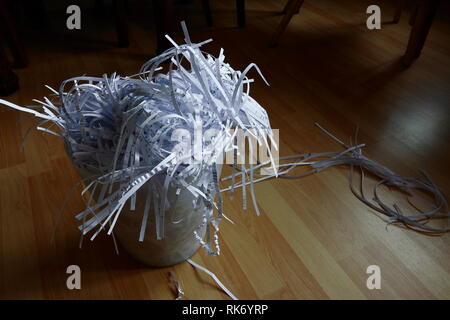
(20, 274)
(10, 140)
(318, 260)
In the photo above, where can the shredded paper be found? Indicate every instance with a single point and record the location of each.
(174, 128)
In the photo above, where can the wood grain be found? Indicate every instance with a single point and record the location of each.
(313, 240)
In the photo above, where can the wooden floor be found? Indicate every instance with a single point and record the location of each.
(313, 240)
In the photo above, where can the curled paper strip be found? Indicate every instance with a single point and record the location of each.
(212, 275)
(176, 284)
(352, 156)
(179, 290)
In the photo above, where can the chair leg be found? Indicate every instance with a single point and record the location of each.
(240, 8)
(121, 20)
(398, 10)
(286, 7)
(293, 9)
(207, 11)
(163, 15)
(426, 10)
(413, 15)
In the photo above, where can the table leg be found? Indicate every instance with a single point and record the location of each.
(293, 8)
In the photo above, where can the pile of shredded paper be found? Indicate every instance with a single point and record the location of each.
(125, 131)
(172, 129)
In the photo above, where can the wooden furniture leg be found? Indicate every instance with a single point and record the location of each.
(121, 20)
(240, 9)
(398, 10)
(163, 15)
(294, 7)
(286, 7)
(207, 11)
(413, 15)
(426, 10)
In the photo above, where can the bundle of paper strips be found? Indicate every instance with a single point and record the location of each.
(128, 133)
